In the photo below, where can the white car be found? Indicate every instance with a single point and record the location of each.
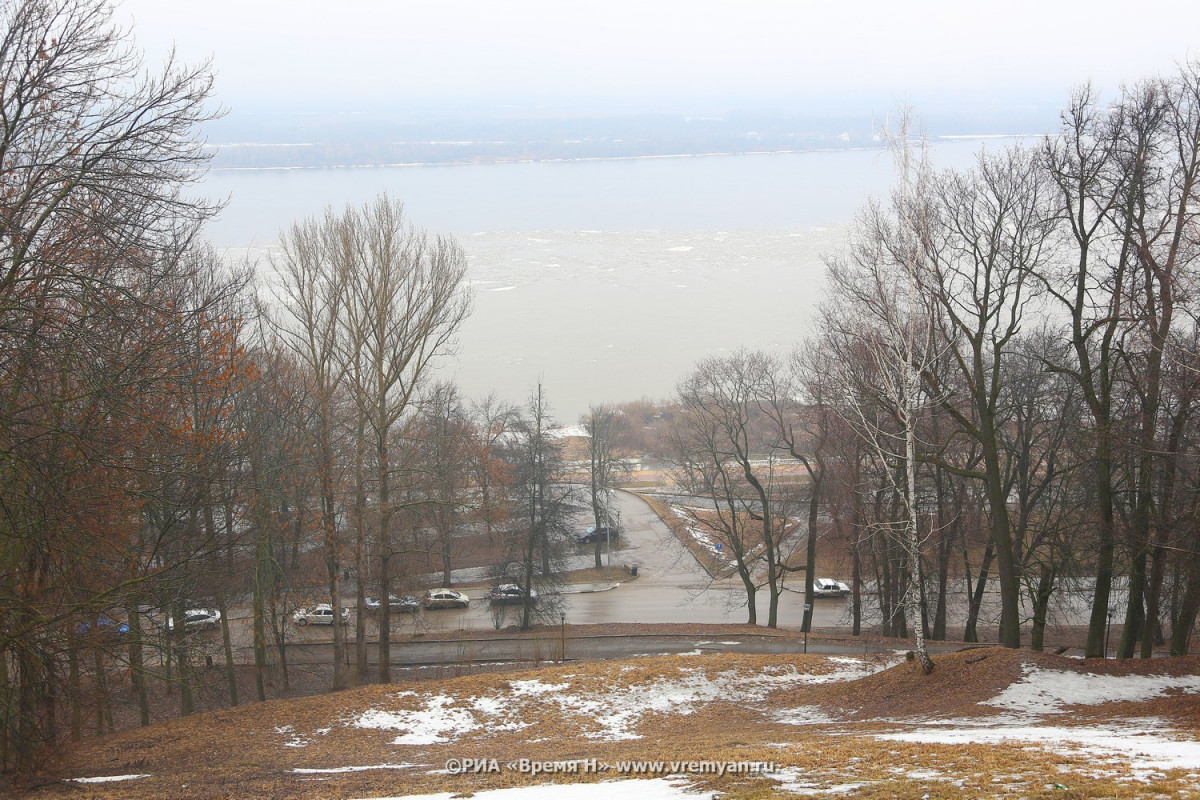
(827, 587)
(197, 619)
(445, 598)
(320, 614)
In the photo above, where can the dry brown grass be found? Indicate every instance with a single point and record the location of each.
(245, 752)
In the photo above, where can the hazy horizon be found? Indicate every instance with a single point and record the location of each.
(529, 55)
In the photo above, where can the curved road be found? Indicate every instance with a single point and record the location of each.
(671, 587)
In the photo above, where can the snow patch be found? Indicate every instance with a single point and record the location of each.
(653, 789)
(803, 715)
(340, 770)
(295, 739)
(609, 713)
(795, 781)
(1146, 750)
(1043, 691)
(567, 432)
(436, 723)
(535, 686)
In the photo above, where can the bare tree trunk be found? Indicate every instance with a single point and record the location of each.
(943, 582)
(361, 559)
(975, 598)
(1181, 631)
(75, 688)
(856, 584)
(137, 664)
(810, 553)
(262, 579)
(100, 687)
(383, 466)
(1041, 605)
(227, 645)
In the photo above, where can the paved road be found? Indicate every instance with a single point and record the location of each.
(671, 587)
(550, 645)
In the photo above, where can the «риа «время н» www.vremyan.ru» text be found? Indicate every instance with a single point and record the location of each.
(477, 766)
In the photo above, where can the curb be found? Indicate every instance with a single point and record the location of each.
(608, 588)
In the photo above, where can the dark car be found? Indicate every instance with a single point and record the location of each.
(406, 603)
(511, 594)
(598, 534)
(104, 626)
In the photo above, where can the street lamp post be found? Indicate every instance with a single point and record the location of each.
(562, 636)
(1108, 630)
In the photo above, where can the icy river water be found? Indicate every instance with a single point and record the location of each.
(606, 280)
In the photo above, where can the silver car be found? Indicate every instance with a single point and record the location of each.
(827, 587)
(445, 598)
(197, 619)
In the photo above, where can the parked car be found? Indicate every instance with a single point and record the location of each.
(598, 534)
(827, 587)
(510, 593)
(320, 614)
(104, 626)
(197, 619)
(406, 603)
(445, 598)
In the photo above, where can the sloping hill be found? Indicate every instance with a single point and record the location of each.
(988, 722)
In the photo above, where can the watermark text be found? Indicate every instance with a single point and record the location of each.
(586, 766)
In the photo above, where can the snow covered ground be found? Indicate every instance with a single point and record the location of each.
(651, 789)
(608, 713)
(998, 736)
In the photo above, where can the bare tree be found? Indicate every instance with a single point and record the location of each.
(543, 502)
(406, 299)
(1085, 168)
(94, 156)
(881, 330)
(603, 425)
(729, 424)
(444, 438)
(93, 150)
(985, 241)
(1125, 178)
(494, 423)
(312, 293)
(1161, 142)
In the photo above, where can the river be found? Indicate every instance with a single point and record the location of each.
(606, 280)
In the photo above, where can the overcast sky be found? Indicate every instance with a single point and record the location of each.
(350, 54)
